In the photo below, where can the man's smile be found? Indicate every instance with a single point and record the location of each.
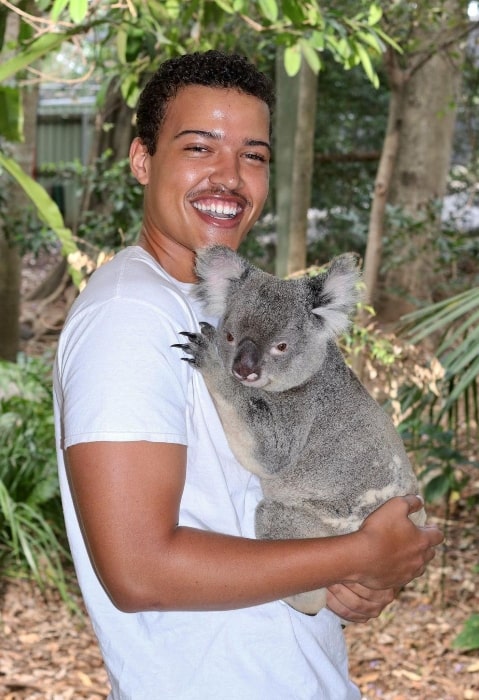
(218, 209)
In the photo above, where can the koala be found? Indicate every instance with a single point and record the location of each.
(294, 413)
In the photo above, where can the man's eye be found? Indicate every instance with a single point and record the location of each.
(257, 156)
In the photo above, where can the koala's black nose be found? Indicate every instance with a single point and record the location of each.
(246, 361)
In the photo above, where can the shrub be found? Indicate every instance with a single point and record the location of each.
(32, 539)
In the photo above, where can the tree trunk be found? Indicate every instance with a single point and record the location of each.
(415, 162)
(286, 95)
(296, 119)
(387, 162)
(419, 179)
(10, 261)
(9, 299)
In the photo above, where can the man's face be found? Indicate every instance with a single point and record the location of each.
(208, 179)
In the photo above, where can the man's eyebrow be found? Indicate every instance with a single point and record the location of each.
(215, 135)
(255, 142)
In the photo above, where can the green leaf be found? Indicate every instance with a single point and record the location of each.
(57, 9)
(317, 40)
(46, 207)
(173, 8)
(121, 41)
(468, 639)
(441, 314)
(3, 25)
(372, 40)
(38, 48)
(269, 9)
(375, 14)
(388, 40)
(437, 487)
(226, 6)
(130, 89)
(293, 11)
(311, 55)
(340, 48)
(78, 10)
(11, 114)
(292, 60)
(367, 65)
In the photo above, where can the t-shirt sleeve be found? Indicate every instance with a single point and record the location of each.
(121, 379)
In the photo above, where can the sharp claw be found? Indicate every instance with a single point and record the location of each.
(205, 324)
(190, 336)
(181, 346)
(191, 360)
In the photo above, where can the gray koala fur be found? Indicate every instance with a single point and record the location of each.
(294, 413)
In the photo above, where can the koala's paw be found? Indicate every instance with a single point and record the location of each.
(198, 344)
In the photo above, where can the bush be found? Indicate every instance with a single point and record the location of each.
(32, 539)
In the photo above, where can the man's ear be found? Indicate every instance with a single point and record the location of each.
(139, 161)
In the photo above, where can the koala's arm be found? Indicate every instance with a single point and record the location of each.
(203, 354)
(255, 428)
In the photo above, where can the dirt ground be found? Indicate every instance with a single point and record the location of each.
(46, 653)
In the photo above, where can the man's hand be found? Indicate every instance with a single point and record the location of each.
(394, 550)
(355, 603)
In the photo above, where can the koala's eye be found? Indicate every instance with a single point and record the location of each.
(229, 337)
(279, 349)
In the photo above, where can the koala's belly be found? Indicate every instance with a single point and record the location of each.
(240, 439)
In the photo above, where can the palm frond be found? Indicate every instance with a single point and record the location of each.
(456, 323)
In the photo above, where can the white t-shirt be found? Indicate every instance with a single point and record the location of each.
(118, 378)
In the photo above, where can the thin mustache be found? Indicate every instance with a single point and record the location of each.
(219, 190)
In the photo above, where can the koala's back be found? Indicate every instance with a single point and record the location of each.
(351, 459)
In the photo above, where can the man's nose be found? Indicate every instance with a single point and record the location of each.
(226, 172)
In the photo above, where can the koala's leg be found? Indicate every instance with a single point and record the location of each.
(275, 520)
(309, 603)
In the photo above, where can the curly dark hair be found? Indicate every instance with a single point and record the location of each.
(212, 69)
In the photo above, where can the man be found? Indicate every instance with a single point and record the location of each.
(185, 602)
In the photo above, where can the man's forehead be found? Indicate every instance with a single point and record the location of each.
(214, 100)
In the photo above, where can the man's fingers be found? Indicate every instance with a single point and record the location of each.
(357, 603)
(415, 502)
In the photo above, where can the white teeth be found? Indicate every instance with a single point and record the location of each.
(220, 208)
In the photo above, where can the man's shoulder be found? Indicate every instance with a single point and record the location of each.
(132, 277)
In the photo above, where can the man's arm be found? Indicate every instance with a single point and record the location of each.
(128, 497)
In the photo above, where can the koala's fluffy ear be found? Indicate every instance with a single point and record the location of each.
(219, 269)
(336, 292)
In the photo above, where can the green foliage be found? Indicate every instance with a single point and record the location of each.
(342, 230)
(140, 34)
(31, 521)
(23, 230)
(444, 241)
(442, 465)
(46, 208)
(351, 119)
(11, 114)
(468, 638)
(365, 339)
(440, 417)
(456, 321)
(113, 216)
